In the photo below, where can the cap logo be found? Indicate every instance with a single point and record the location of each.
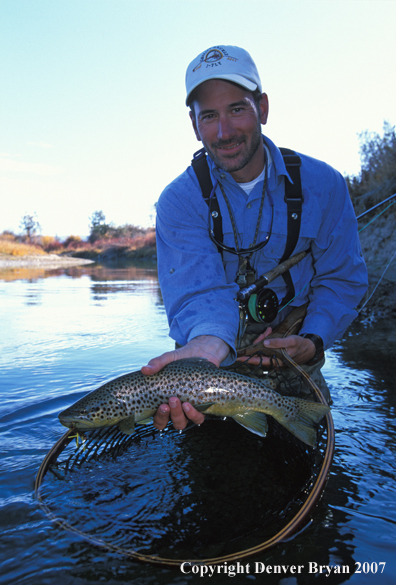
(212, 58)
(213, 55)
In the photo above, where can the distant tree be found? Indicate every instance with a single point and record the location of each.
(30, 226)
(378, 165)
(98, 226)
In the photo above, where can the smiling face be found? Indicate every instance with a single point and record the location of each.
(228, 122)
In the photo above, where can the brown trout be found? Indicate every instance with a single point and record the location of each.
(134, 398)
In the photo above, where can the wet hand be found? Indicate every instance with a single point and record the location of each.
(300, 349)
(180, 413)
(208, 347)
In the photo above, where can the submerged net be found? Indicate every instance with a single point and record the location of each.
(211, 494)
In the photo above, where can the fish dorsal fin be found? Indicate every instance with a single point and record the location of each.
(127, 425)
(255, 422)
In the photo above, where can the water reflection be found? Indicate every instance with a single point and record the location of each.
(97, 272)
(33, 297)
(107, 279)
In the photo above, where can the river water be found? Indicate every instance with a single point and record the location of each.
(65, 332)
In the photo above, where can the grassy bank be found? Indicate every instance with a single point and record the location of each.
(142, 246)
(10, 247)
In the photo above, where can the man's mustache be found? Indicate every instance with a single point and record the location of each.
(229, 142)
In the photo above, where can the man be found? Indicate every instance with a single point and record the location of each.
(199, 283)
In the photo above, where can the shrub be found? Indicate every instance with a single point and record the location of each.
(51, 244)
(72, 242)
(377, 177)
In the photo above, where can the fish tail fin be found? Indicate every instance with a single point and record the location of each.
(302, 420)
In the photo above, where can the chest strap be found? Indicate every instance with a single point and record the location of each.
(201, 169)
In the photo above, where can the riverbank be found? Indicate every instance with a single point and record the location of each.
(378, 248)
(46, 261)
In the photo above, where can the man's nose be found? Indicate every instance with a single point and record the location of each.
(225, 129)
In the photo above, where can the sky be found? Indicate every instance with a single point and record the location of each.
(92, 112)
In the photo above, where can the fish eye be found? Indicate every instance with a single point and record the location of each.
(82, 411)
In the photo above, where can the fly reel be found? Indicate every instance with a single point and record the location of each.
(263, 307)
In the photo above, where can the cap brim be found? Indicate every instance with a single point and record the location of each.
(238, 79)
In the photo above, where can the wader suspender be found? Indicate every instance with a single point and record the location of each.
(293, 198)
(200, 166)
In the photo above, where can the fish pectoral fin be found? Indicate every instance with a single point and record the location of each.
(203, 407)
(145, 421)
(127, 425)
(255, 422)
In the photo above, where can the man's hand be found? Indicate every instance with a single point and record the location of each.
(178, 412)
(209, 347)
(300, 349)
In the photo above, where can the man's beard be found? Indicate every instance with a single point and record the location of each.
(230, 165)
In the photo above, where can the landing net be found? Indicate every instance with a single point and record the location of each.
(211, 494)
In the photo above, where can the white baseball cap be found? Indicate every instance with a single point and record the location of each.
(223, 62)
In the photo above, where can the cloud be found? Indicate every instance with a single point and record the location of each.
(40, 144)
(8, 165)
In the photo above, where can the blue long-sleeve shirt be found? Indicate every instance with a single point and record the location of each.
(198, 286)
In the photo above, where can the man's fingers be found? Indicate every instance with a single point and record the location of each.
(157, 363)
(300, 349)
(263, 335)
(177, 415)
(177, 412)
(193, 414)
(280, 342)
(161, 417)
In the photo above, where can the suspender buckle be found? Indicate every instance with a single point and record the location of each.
(292, 160)
(294, 202)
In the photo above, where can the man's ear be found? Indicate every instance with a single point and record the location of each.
(264, 108)
(194, 123)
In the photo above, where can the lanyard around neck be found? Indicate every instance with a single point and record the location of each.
(253, 247)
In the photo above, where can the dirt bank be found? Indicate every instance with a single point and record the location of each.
(379, 247)
(48, 261)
